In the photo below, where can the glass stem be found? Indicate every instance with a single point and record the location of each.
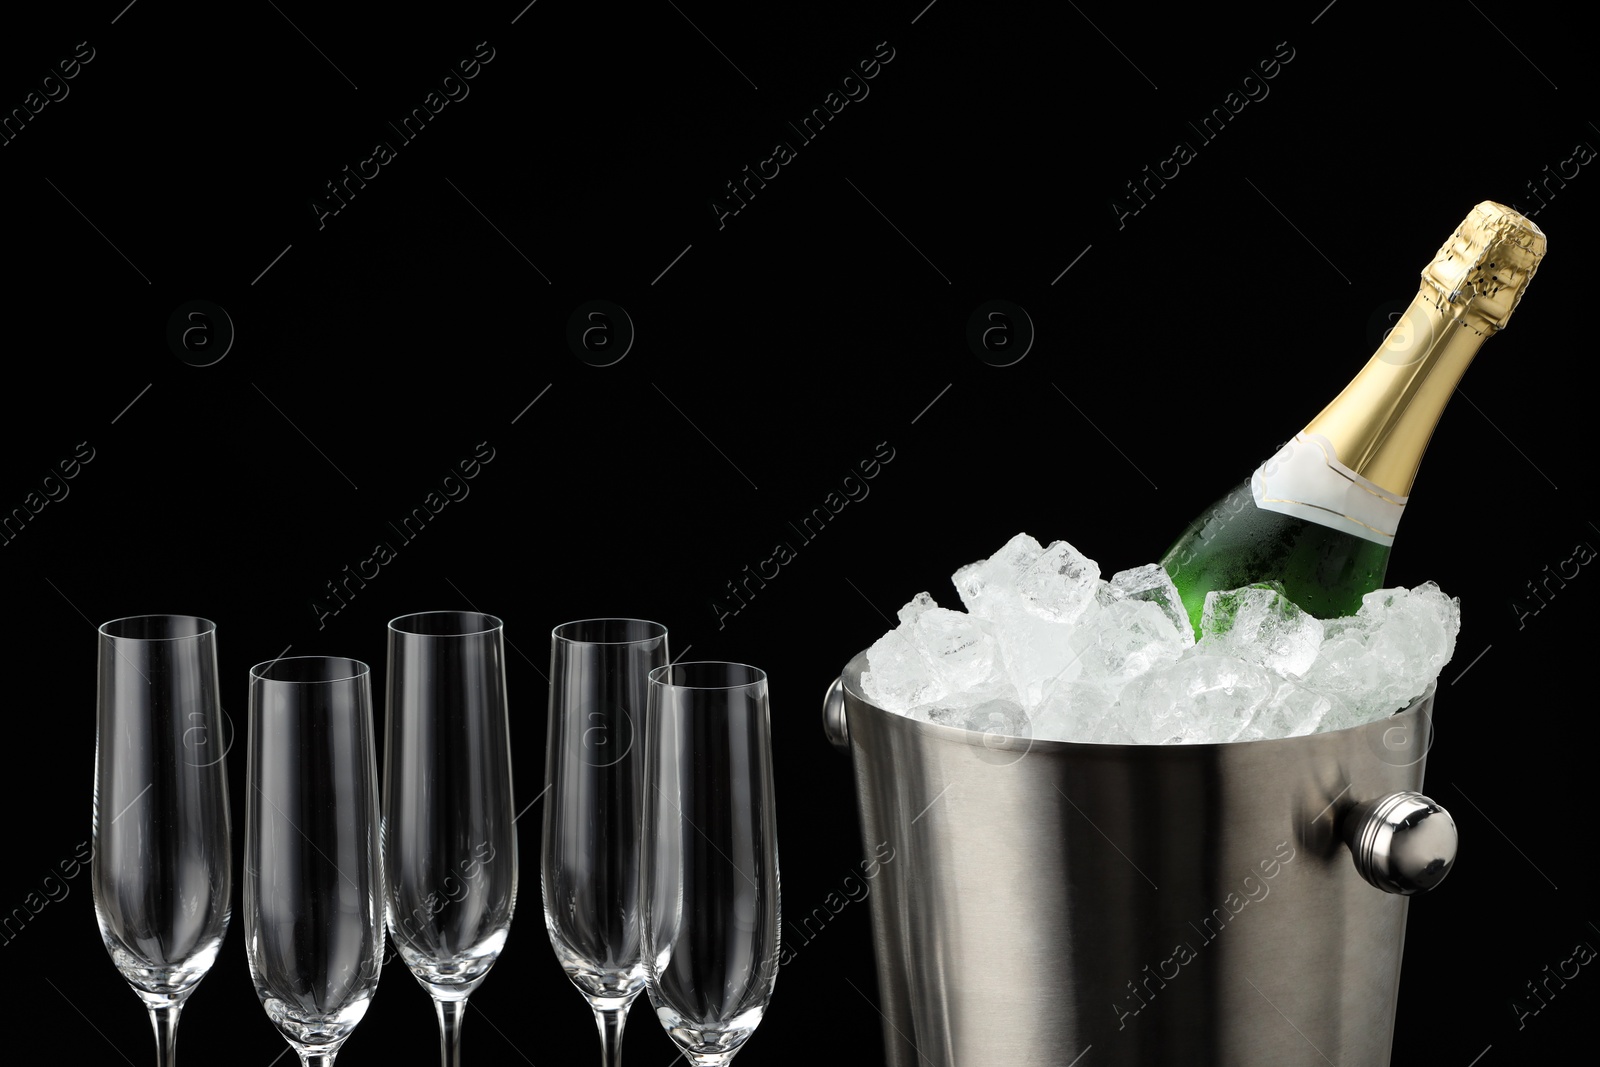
(315, 1059)
(164, 1019)
(611, 1022)
(450, 1015)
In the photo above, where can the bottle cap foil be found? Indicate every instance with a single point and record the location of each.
(1484, 268)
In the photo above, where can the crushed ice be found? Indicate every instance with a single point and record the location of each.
(1049, 648)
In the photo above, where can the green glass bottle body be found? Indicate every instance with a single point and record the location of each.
(1320, 516)
(1234, 543)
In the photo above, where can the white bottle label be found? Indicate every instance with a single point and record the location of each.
(1305, 479)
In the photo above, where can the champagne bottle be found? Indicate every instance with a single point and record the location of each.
(1320, 515)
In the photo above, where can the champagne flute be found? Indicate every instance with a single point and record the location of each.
(313, 879)
(599, 672)
(163, 871)
(449, 846)
(709, 909)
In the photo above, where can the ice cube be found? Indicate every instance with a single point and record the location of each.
(1342, 714)
(1077, 711)
(1413, 632)
(1385, 655)
(1054, 583)
(897, 678)
(1152, 583)
(1060, 584)
(1113, 643)
(1000, 717)
(960, 651)
(916, 606)
(1034, 597)
(1037, 652)
(1293, 711)
(1259, 623)
(1110, 730)
(1200, 699)
(978, 583)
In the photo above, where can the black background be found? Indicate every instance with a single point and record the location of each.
(773, 353)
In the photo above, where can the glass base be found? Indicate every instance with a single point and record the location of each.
(709, 1045)
(593, 982)
(313, 1032)
(455, 978)
(450, 982)
(162, 983)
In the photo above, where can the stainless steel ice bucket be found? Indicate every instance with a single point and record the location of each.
(1049, 903)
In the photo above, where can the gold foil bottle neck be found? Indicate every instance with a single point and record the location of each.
(1379, 426)
(1484, 268)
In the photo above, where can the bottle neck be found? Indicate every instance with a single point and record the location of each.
(1380, 424)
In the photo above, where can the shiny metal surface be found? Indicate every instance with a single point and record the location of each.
(833, 720)
(1402, 843)
(1168, 906)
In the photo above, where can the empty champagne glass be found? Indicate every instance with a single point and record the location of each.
(313, 876)
(709, 910)
(599, 681)
(163, 871)
(449, 846)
